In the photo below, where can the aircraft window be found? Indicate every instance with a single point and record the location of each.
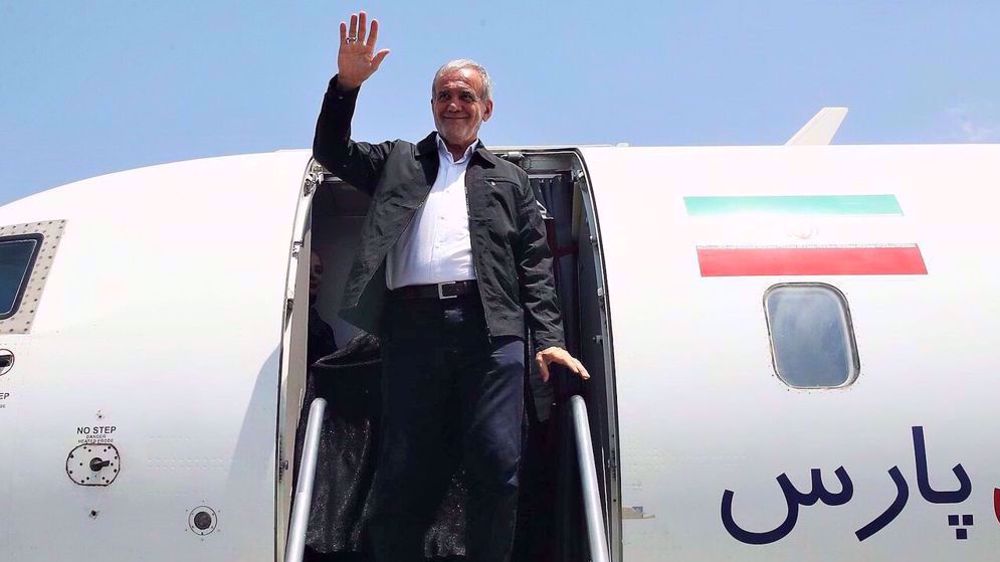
(812, 341)
(17, 254)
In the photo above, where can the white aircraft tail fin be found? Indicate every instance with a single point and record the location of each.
(821, 128)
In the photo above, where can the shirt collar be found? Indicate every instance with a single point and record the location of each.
(446, 154)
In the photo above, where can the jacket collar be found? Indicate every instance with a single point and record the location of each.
(428, 147)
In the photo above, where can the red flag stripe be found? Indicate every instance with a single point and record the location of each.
(996, 502)
(738, 262)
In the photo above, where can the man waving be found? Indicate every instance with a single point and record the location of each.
(452, 264)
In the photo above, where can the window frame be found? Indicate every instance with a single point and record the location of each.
(22, 287)
(855, 357)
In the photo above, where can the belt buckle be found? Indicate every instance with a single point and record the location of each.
(441, 294)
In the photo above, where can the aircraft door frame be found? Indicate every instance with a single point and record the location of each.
(295, 332)
(601, 346)
(594, 315)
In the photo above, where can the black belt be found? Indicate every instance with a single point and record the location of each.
(441, 291)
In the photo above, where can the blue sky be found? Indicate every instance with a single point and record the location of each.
(92, 87)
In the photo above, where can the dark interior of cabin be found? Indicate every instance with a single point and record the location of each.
(551, 525)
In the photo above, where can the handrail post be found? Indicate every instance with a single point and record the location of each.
(295, 547)
(588, 479)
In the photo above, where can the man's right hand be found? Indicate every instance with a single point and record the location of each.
(355, 61)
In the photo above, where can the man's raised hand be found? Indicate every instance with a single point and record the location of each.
(357, 59)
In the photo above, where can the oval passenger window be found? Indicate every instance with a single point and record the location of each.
(812, 342)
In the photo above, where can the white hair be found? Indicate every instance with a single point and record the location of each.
(459, 64)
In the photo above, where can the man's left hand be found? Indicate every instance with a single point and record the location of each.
(559, 356)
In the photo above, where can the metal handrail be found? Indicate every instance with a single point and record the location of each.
(588, 479)
(296, 544)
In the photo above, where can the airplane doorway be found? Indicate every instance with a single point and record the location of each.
(550, 514)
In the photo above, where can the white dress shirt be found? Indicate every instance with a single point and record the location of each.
(435, 247)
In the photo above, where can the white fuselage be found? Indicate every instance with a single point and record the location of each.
(164, 328)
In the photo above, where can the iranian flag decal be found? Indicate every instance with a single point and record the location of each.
(804, 259)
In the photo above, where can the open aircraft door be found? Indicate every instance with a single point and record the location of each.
(564, 188)
(293, 355)
(556, 515)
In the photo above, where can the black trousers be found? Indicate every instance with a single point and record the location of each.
(450, 394)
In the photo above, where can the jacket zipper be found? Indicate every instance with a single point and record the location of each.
(468, 212)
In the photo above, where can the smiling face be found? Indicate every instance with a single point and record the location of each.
(459, 106)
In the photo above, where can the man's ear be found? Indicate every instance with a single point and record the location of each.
(489, 111)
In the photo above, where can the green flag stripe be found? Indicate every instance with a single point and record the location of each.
(795, 205)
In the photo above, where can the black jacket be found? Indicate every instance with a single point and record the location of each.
(509, 252)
